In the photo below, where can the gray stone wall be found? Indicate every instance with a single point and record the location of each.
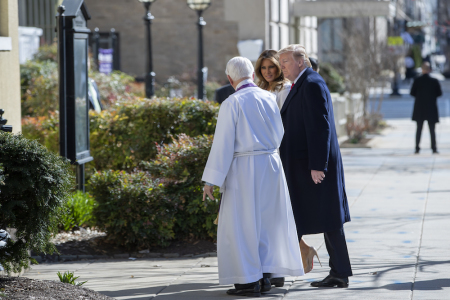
(174, 33)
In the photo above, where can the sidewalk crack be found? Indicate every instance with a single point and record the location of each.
(421, 231)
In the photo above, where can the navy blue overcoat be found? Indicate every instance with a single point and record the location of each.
(310, 143)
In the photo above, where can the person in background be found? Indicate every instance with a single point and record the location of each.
(314, 64)
(223, 93)
(426, 90)
(271, 78)
(93, 93)
(94, 96)
(256, 232)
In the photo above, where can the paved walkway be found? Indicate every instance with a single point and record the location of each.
(398, 239)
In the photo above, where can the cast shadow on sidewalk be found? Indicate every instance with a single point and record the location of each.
(200, 290)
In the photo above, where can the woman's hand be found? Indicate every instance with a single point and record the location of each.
(317, 176)
(208, 190)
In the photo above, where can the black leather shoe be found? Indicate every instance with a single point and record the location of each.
(249, 289)
(435, 152)
(265, 285)
(331, 281)
(277, 282)
(417, 151)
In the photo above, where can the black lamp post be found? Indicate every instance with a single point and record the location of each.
(199, 6)
(150, 76)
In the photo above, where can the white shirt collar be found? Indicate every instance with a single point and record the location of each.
(295, 81)
(246, 81)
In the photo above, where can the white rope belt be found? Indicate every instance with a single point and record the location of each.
(258, 152)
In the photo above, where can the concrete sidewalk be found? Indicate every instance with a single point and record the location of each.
(398, 238)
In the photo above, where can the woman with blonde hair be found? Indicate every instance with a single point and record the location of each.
(271, 78)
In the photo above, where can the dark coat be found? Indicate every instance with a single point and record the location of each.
(310, 143)
(223, 93)
(426, 90)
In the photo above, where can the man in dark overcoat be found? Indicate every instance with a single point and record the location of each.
(312, 162)
(426, 90)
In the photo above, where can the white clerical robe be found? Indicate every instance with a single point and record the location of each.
(257, 232)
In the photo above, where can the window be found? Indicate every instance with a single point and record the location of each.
(279, 23)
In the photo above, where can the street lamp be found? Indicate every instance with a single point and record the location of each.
(150, 75)
(199, 6)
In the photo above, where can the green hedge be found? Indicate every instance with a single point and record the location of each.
(35, 186)
(181, 164)
(140, 210)
(127, 134)
(132, 209)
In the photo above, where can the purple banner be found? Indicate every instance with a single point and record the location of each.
(105, 60)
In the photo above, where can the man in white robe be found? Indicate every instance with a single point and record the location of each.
(256, 231)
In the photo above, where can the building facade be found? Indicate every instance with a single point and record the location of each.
(270, 24)
(9, 63)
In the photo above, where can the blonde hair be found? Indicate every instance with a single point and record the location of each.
(298, 52)
(279, 81)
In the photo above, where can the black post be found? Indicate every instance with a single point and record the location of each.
(80, 178)
(97, 46)
(200, 76)
(150, 76)
(113, 36)
(62, 82)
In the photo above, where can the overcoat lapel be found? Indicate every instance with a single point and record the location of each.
(295, 89)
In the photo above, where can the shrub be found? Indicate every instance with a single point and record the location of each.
(138, 211)
(36, 185)
(333, 79)
(181, 164)
(39, 84)
(125, 136)
(113, 87)
(39, 87)
(132, 209)
(43, 129)
(77, 211)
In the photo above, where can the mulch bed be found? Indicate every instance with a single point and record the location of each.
(25, 288)
(361, 144)
(94, 243)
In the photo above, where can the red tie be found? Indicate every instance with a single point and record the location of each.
(292, 86)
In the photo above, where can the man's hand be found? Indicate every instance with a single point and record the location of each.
(317, 176)
(208, 190)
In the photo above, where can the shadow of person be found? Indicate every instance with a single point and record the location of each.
(425, 285)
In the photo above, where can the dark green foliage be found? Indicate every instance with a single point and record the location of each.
(333, 79)
(181, 164)
(77, 211)
(138, 211)
(132, 209)
(123, 137)
(37, 183)
(69, 277)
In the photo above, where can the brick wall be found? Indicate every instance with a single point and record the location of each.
(174, 32)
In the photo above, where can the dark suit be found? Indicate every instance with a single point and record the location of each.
(223, 93)
(310, 143)
(426, 90)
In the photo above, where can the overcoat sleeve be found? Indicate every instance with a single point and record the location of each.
(414, 88)
(438, 89)
(317, 125)
(222, 150)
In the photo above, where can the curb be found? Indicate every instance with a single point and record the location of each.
(65, 258)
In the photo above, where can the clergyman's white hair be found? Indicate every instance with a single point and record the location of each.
(239, 67)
